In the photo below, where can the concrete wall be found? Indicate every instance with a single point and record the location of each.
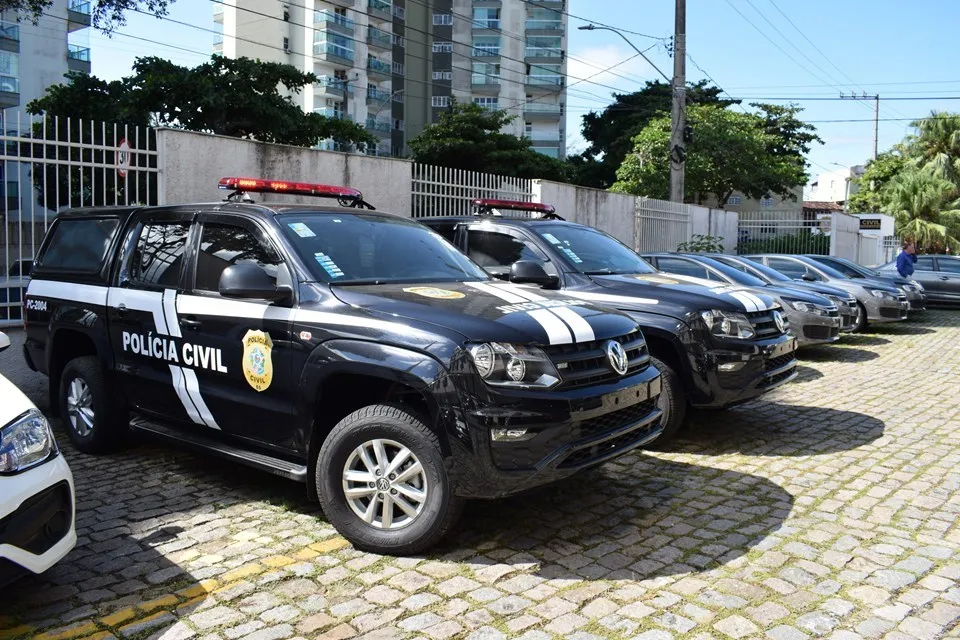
(844, 236)
(717, 223)
(193, 163)
(613, 213)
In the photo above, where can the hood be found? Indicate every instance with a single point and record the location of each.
(797, 294)
(490, 311)
(817, 288)
(878, 283)
(674, 295)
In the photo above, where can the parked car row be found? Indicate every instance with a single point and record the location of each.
(394, 368)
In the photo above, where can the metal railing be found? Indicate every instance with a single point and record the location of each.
(76, 52)
(384, 126)
(536, 107)
(378, 66)
(332, 49)
(53, 164)
(486, 50)
(10, 84)
(378, 37)
(83, 6)
(545, 80)
(325, 16)
(9, 30)
(440, 191)
(334, 83)
(543, 52)
(661, 225)
(782, 232)
(484, 78)
(486, 23)
(378, 94)
(332, 112)
(546, 25)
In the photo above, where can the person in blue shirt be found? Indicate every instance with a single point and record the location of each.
(906, 259)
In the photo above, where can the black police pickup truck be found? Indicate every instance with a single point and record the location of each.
(714, 344)
(354, 351)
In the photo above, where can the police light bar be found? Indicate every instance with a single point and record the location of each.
(513, 205)
(259, 185)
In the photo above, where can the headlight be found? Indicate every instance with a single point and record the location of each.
(807, 307)
(916, 285)
(26, 442)
(877, 293)
(513, 365)
(728, 324)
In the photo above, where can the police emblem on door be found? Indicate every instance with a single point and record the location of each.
(257, 362)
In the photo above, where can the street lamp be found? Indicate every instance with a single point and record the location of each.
(593, 27)
(387, 101)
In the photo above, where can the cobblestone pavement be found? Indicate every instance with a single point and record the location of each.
(829, 508)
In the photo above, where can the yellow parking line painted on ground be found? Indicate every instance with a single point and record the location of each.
(164, 602)
(73, 632)
(330, 545)
(243, 571)
(275, 562)
(14, 632)
(201, 589)
(119, 617)
(142, 620)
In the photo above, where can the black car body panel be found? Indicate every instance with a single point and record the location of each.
(668, 308)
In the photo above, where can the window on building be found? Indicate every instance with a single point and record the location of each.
(398, 125)
(766, 202)
(545, 74)
(486, 45)
(442, 19)
(486, 18)
(544, 46)
(398, 68)
(10, 71)
(441, 101)
(485, 73)
(286, 14)
(733, 200)
(325, 42)
(398, 41)
(539, 18)
(443, 47)
(286, 44)
(399, 12)
(442, 75)
(487, 103)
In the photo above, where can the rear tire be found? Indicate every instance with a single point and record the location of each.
(401, 497)
(672, 402)
(862, 320)
(96, 419)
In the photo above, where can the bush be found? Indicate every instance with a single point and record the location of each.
(793, 243)
(702, 244)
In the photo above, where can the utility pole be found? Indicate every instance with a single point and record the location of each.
(876, 114)
(678, 152)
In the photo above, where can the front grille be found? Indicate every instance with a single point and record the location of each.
(617, 419)
(916, 304)
(773, 381)
(848, 321)
(763, 323)
(585, 363)
(608, 448)
(814, 332)
(890, 312)
(780, 361)
(41, 521)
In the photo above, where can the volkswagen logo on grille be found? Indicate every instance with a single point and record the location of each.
(778, 320)
(617, 356)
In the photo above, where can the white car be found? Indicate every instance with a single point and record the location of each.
(36, 488)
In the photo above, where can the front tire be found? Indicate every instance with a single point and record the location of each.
(383, 482)
(862, 319)
(96, 420)
(672, 402)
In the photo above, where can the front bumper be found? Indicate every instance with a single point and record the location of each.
(810, 328)
(36, 518)
(737, 371)
(849, 316)
(571, 430)
(917, 301)
(881, 310)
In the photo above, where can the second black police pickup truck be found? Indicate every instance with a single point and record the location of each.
(714, 344)
(350, 350)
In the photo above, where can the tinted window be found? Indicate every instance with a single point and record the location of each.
(590, 251)
(729, 274)
(733, 264)
(222, 245)
(682, 267)
(789, 268)
(79, 245)
(924, 263)
(492, 249)
(842, 267)
(363, 248)
(446, 229)
(159, 255)
(948, 266)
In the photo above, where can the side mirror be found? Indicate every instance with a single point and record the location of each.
(808, 277)
(4, 341)
(250, 281)
(531, 272)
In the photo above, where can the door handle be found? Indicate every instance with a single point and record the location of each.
(944, 277)
(121, 309)
(193, 325)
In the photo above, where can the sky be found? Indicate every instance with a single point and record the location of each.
(803, 51)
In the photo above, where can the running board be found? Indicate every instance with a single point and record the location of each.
(270, 464)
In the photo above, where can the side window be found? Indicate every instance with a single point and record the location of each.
(925, 263)
(447, 229)
(79, 245)
(223, 245)
(843, 268)
(787, 267)
(493, 249)
(947, 266)
(683, 267)
(158, 258)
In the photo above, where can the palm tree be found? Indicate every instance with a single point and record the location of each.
(922, 205)
(936, 146)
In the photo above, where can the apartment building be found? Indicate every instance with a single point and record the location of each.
(395, 65)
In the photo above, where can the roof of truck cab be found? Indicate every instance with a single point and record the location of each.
(497, 219)
(264, 209)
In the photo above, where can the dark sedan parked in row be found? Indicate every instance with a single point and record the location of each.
(939, 275)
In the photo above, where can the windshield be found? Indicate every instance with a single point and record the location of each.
(592, 252)
(827, 270)
(771, 275)
(736, 275)
(359, 248)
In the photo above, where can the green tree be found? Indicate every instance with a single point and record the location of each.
(610, 132)
(936, 145)
(875, 177)
(470, 137)
(107, 15)
(920, 203)
(757, 154)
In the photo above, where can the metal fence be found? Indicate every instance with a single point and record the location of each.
(440, 191)
(661, 225)
(783, 232)
(51, 164)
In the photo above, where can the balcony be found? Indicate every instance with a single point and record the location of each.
(382, 150)
(9, 91)
(334, 22)
(218, 14)
(333, 53)
(378, 39)
(545, 82)
(378, 69)
(332, 113)
(378, 126)
(343, 3)
(377, 96)
(9, 36)
(78, 58)
(485, 83)
(539, 111)
(486, 50)
(78, 15)
(488, 23)
(543, 138)
(543, 52)
(544, 25)
(380, 10)
(331, 87)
